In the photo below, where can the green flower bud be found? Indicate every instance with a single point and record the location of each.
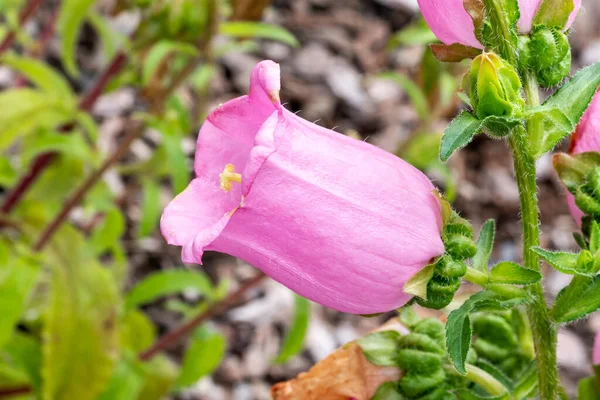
(494, 87)
(585, 261)
(494, 329)
(431, 327)
(415, 384)
(458, 238)
(550, 55)
(449, 268)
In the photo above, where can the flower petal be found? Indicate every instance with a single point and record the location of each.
(449, 21)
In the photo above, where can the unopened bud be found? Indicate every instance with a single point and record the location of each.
(550, 55)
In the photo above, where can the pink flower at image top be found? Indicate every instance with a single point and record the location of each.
(336, 220)
(451, 24)
(585, 138)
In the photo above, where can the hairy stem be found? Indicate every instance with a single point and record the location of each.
(544, 331)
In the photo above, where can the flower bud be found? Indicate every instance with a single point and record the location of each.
(494, 87)
(550, 55)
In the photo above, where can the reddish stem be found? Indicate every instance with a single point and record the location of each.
(15, 391)
(26, 13)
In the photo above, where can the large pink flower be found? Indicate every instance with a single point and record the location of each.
(585, 138)
(451, 23)
(335, 219)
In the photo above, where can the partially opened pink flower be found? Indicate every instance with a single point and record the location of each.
(585, 138)
(335, 219)
(451, 23)
(596, 354)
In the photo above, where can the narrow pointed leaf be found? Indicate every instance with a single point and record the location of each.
(562, 261)
(245, 29)
(485, 245)
(511, 273)
(202, 357)
(294, 338)
(71, 18)
(459, 133)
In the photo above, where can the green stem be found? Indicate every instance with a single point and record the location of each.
(544, 331)
(485, 380)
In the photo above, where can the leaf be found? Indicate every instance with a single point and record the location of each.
(512, 273)
(388, 391)
(416, 33)
(527, 384)
(24, 110)
(41, 75)
(414, 92)
(459, 329)
(80, 346)
(137, 331)
(554, 13)
(8, 175)
(381, 348)
(108, 232)
(17, 281)
(157, 54)
(588, 389)
(110, 38)
(246, 29)
(453, 53)
(459, 133)
(178, 163)
(485, 245)
(72, 145)
(573, 169)
(150, 208)
(554, 124)
(294, 338)
(563, 262)
(161, 373)
(163, 283)
(25, 353)
(202, 357)
(126, 382)
(70, 19)
(572, 99)
(417, 285)
(579, 299)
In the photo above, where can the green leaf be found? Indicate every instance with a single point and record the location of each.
(588, 389)
(416, 33)
(24, 110)
(527, 384)
(25, 352)
(381, 348)
(110, 37)
(161, 373)
(388, 391)
(150, 208)
(178, 163)
(568, 104)
(485, 245)
(137, 331)
(245, 29)
(563, 262)
(163, 283)
(573, 169)
(70, 19)
(41, 75)
(413, 91)
(126, 382)
(108, 232)
(72, 145)
(554, 13)
(17, 281)
(459, 133)
(202, 357)
(579, 299)
(294, 339)
(511, 273)
(159, 51)
(80, 332)
(8, 175)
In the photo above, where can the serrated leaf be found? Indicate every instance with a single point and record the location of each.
(554, 13)
(167, 282)
(159, 51)
(202, 357)
(413, 91)
(579, 299)
(381, 348)
(41, 75)
(572, 99)
(80, 345)
(246, 29)
(150, 208)
(453, 53)
(417, 33)
(512, 273)
(294, 338)
(24, 110)
(562, 261)
(485, 245)
(459, 133)
(17, 281)
(70, 19)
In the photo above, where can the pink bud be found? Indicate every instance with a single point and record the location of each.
(596, 354)
(585, 138)
(335, 219)
(451, 23)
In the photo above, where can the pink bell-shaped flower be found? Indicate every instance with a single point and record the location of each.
(335, 219)
(451, 24)
(585, 138)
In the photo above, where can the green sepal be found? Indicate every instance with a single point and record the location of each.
(511, 273)
(388, 391)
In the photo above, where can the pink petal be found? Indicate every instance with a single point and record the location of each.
(449, 21)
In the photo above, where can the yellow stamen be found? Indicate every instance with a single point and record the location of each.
(228, 176)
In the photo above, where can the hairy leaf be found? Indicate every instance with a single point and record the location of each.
(294, 339)
(459, 133)
(511, 273)
(485, 245)
(563, 262)
(579, 299)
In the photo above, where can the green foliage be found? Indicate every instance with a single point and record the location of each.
(416, 33)
(554, 13)
(71, 17)
(245, 29)
(203, 355)
(459, 133)
(511, 273)
(294, 338)
(579, 299)
(485, 244)
(380, 348)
